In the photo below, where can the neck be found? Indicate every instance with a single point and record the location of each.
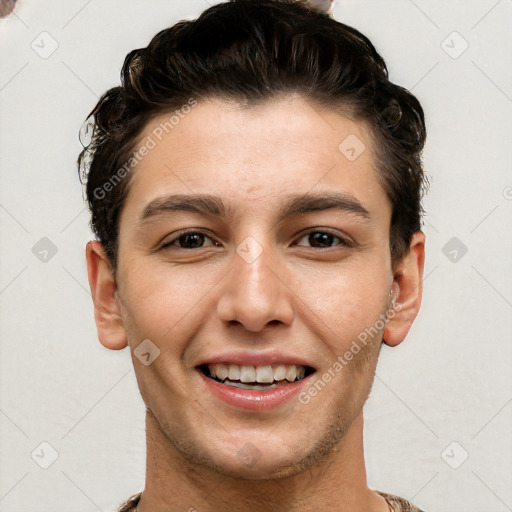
(337, 482)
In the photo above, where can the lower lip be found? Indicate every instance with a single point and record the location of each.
(253, 399)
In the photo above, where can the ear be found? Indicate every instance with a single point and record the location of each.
(407, 292)
(107, 315)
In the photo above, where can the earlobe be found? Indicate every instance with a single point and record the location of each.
(109, 323)
(407, 292)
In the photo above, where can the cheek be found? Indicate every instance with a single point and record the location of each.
(345, 301)
(160, 299)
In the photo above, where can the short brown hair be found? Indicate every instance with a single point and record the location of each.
(252, 51)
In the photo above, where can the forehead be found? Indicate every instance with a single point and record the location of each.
(256, 154)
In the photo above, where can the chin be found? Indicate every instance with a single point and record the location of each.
(260, 469)
(259, 459)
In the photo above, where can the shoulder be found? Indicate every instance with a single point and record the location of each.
(398, 504)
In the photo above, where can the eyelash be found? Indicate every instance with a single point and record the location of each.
(343, 242)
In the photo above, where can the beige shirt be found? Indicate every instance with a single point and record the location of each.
(395, 503)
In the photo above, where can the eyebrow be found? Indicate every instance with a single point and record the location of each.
(293, 205)
(307, 203)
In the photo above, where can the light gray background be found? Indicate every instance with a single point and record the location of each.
(449, 382)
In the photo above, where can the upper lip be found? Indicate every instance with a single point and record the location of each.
(244, 358)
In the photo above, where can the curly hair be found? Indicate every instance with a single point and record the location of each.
(252, 51)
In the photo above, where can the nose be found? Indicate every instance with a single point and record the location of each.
(255, 295)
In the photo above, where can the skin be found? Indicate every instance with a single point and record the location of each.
(298, 296)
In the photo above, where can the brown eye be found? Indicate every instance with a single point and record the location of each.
(322, 240)
(190, 240)
(318, 239)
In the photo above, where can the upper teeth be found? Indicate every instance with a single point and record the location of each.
(262, 374)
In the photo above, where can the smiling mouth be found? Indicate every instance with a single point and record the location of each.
(255, 377)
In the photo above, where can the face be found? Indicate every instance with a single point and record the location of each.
(272, 265)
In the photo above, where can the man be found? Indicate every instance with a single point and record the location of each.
(255, 187)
